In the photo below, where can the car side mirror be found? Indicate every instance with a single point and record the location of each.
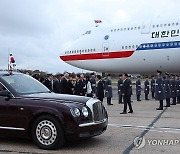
(5, 93)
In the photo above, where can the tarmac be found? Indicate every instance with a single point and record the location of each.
(155, 132)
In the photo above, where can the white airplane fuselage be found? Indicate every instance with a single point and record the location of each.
(137, 48)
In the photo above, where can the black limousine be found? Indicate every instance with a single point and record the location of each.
(28, 109)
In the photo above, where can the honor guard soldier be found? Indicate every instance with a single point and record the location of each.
(108, 89)
(173, 89)
(159, 90)
(153, 86)
(138, 88)
(167, 90)
(178, 88)
(120, 84)
(146, 88)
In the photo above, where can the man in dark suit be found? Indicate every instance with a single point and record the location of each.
(66, 89)
(93, 83)
(126, 92)
(138, 88)
(83, 82)
(100, 88)
(146, 88)
(153, 86)
(159, 90)
(48, 82)
(108, 89)
(71, 85)
(120, 84)
(57, 83)
(78, 87)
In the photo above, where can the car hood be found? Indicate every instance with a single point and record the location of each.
(58, 97)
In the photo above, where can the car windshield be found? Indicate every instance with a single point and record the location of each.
(24, 84)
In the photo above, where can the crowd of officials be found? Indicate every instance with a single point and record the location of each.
(165, 87)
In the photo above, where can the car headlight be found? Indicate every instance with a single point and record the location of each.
(85, 111)
(75, 112)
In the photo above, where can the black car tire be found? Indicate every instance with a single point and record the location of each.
(47, 133)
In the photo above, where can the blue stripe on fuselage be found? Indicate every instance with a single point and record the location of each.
(159, 45)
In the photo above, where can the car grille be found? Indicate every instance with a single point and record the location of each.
(98, 111)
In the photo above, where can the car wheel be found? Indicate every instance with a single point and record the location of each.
(47, 133)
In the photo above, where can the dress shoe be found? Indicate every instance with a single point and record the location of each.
(130, 112)
(159, 108)
(109, 104)
(167, 106)
(138, 100)
(123, 113)
(173, 104)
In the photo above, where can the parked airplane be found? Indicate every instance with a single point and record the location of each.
(134, 48)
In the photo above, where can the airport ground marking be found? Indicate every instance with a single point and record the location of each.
(146, 130)
(155, 129)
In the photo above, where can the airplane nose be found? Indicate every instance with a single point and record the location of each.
(62, 58)
(63, 55)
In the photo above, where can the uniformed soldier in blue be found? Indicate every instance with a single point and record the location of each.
(178, 88)
(153, 86)
(108, 89)
(146, 88)
(167, 90)
(120, 84)
(159, 90)
(173, 89)
(138, 88)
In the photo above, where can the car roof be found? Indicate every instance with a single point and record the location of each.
(6, 73)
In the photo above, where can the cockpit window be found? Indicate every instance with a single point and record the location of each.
(87, 32)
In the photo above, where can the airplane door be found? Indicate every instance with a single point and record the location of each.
(105, 49)
(146, 27)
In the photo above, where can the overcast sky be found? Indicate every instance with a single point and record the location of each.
(36, 31)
